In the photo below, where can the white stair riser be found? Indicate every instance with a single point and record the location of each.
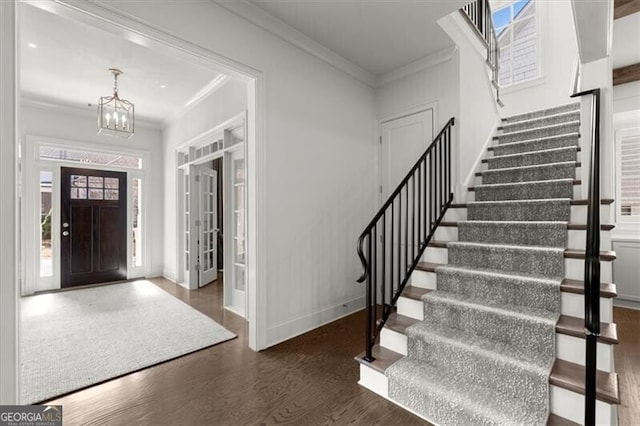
(446, 233)
(579, 214)
(570, 405)
(577, 193)
(436, 255)
(394, 341)
(378, 383)
(424, 280)
(455, 214)
(374, 380)
(410, 308)
(572, 349)
(574, 269)
(573, 305)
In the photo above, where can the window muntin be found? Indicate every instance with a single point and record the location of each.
(87, 157)
(516, 28)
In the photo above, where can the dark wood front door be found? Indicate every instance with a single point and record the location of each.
(94, 226)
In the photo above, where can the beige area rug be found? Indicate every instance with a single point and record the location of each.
(70, 340)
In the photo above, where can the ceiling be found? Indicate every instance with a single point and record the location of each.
(379, 36)
(626, 41)
(67, 62)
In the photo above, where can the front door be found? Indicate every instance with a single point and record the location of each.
(93, 226)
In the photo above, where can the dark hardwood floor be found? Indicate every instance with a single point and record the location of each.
(311, 379)
(627, 364)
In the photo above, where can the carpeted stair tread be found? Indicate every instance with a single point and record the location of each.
(530, 314)
(542, 112)
(452, 399)
(552, 188)
(500, 366)
(501, 288)
(541, 121)
(459, 340)
(570, 226)
(539, 132)
(577, 202)
(532, 158)
(522, 260)
(521, 210)
(538, 172)
(527, 233)
(539, 144)
(569, 375)
(574, 326)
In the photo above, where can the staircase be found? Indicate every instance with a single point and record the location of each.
(490, 330)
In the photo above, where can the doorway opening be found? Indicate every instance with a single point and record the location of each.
(212, 203)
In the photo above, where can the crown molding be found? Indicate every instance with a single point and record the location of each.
(428, 61)
(211, 87)
(49, 104)
(277, 27)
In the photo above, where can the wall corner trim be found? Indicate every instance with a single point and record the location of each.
(428, 61)
(275, 26)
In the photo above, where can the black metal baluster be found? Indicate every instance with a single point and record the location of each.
(375, 273)
(399, 237)
(384, 261)
(441, 174)
(420, 206)
(406, 230)
(413, 217)
(368, 354)
(392, 255)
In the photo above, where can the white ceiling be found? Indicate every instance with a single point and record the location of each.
(626, 41)
(71, 59)
(379, 36)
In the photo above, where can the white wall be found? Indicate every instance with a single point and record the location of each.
(319, 174)
(626, 97)
(8, 219)
(223, 104)
(437, 84)
(78, 127)
(559, 50)
(478, 115)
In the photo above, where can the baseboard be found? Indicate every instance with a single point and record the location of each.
(290, 329)
(626, 303)
(169, 275)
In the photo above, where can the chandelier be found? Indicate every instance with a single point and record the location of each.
(115, 115)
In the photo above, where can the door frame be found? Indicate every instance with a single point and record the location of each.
(215, 134)
(434, 106)
(33, 165)
(106, 17)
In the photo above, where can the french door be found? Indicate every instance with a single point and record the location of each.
(93, 226)
(207, 226)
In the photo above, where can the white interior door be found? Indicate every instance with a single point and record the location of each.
(235, 232)
(403, 140)
(208, 226)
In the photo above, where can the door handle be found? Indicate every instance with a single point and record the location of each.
(65, 233)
